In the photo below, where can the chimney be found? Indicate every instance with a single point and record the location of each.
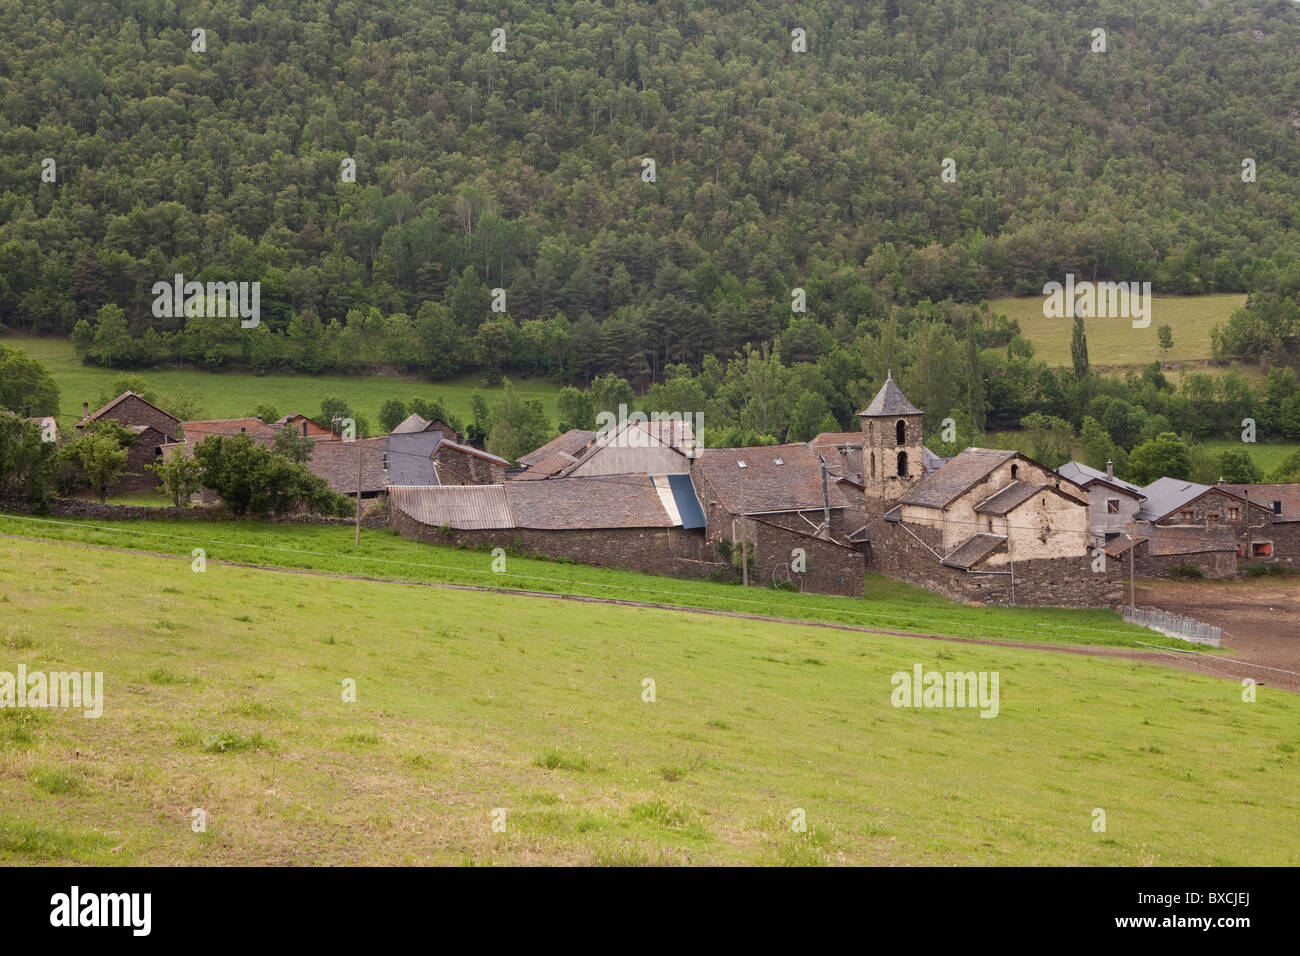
(1110, 469)
(85, 409)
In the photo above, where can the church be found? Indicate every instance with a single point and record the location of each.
(988, 525)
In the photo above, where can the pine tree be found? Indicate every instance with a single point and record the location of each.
(1079, 348)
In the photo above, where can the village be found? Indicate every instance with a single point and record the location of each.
(984, 526)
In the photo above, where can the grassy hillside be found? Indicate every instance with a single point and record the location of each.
(223, 692)
(232, 394)
(1114, 342)
(889, 605)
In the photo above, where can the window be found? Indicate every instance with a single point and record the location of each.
(1234, 514)
(778, 461)
(900, 432)
(902, 464)
(1277, 507)
(1014, 469)
(1112, 506)
(1261, 549)
(1187, 515)
(740, 463)
(1213, 516)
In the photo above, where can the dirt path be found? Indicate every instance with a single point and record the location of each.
(1255, 650)
(1260, 618)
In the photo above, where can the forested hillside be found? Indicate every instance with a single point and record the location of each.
(524, 169)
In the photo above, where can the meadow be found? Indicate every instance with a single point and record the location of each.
(889, 604)
(224, 692)
(236, 394)
(1114, 343)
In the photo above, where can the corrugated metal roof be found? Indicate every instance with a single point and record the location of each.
(464, 507)
(688, 504)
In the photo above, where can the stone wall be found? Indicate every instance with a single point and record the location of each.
(667, 551)
(1047, 582)
(1212, 564)
(830, 568)
(135, 411)
(1251, 523)
(457, 468)
(1286, 544)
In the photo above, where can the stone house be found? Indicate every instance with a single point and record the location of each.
(1175, 503)
(458, 464)
(556, 455)
(1113, 503)
(152, 429)
(635, 522)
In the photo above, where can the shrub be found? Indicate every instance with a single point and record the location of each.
(1264, 570)
(1183, 571)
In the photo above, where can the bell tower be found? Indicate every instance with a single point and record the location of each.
(892, 453)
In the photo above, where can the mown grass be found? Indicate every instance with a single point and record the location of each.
(472, 707)
(235, 394)
(889, 604)
(1113, 342)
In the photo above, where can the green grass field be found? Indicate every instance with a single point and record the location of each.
(1267, 456)
(1114, 343)
(235, 394)
(223, 692)
(890, 605)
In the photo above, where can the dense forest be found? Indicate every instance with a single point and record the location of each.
(648, 184)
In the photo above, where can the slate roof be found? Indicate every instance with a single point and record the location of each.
(1083, 475)
(763, 486)
(261, 432)
(464, 507)
(890, 402)
(829, 440)
(410, 424)
(96, 415)
(1287, 494)
(962, 472)
(1167, 495)
(1009, 498)
(336, 462)
(470, 450)
(930, 461)
(547, 467)
(973, 550)
(410, 458)
(572, 443)
(608, 501)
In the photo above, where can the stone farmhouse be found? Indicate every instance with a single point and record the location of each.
(152, 427)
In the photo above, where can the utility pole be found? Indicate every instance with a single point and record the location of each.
(826, 499)
(1132, 563)
(335, 421)
(358, 541)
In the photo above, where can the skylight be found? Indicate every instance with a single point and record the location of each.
(778, 461)
(740, 463)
